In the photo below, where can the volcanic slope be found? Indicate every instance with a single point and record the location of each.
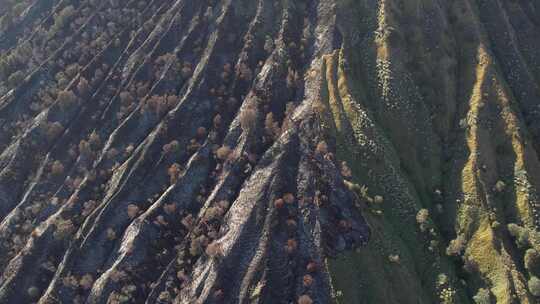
(258, 151)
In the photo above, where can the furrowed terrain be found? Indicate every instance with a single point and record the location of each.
(259, 151)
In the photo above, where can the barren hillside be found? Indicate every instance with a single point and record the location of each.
(270, 151)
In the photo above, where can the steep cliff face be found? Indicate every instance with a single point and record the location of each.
(240, 151)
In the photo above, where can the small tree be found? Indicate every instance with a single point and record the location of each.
(66, 98)
(532, 261)
(248, 118)
(483, 296)
(534, 286)
(456, 246)
(54, 130)
(83, 87)
(15, 78)
(223, 153)
(305, 299)
(57, 168)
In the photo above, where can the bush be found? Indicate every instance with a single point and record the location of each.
(83, 87)
(270, 126)
(422, 216)
(132, 211)
(223, 153)
(214, 249)
(87, 281)
(172, 147)
(54, 130)
(305, 299)
(248, 118)
(532, 261)
(57, 168)
(126, 98)
(483, 296)
(94, 140)
(288, 198)
(66, 98)
(33, 292)
(307, 280)
(534, 286)
(15, 79)
(63, 17)
(84, 148)
(174, 172)
(322, 148)
(456, 246)
(520, 234)
(291, 246)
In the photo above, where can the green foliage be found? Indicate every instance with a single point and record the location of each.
(483, 296)
(532, 261)
(520, 234)
(534, 286)
(15, 78)
(63, 18)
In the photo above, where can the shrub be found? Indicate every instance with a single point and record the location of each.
(307, 280)
(456, 246)
(214, 249)
(288, 198)
(72, 70)
(346, 171)
(94, 140)
(84, 148)
(532, 261)
(248, 118)
(169, 208)
(57, 168)
(394, 258)
(322, 148)
(291, 246)
(66, 98)
(223, 153)
(305, 299)
(186, 70)
(83, 87)
(64, 228)
(132, 211)
(483, 296)
(271, 127)
(126, 98)
(88, 207)
(312, 267)
(15, 78)
(520, 234)
(201, 132)
(33, 292)
(422, 216)
(500, 186)
(279, 203)
(244, 72)
(86, 281)
(534, 286)
(174, 172)
(63, 17)
(112, 153)
(217, 121)
(378, 199)
(54, 130)
(111, 234)
(172, 147)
